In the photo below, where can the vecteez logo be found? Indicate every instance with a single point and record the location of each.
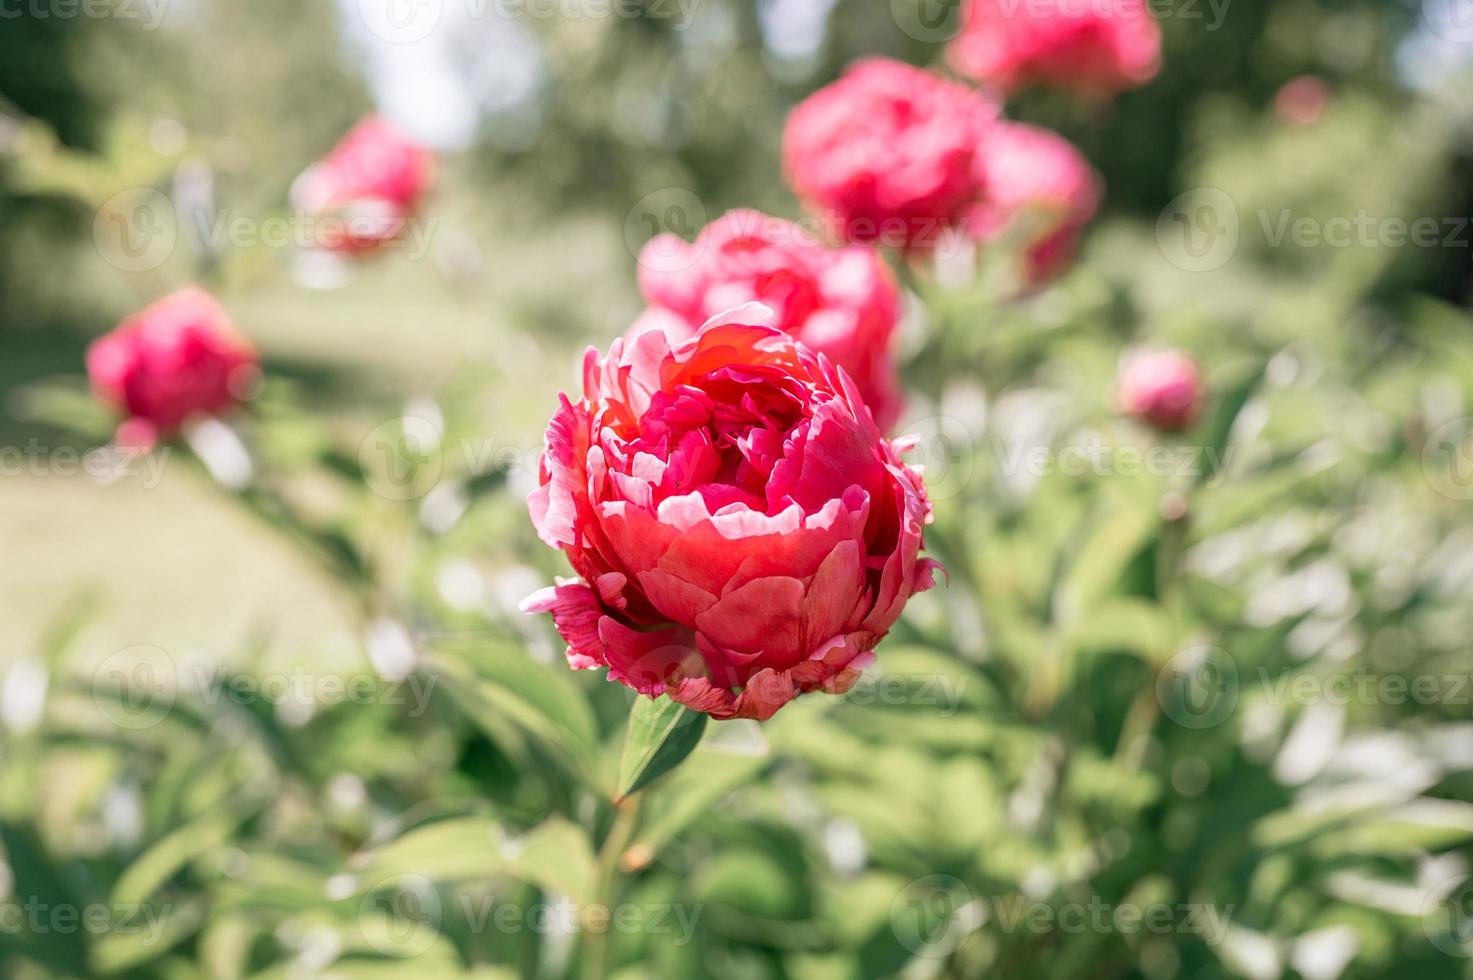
(1199, 230)
(932, 21)
(1198, 688)
(136, 230)
(401, 21)
(1447, 458)
(1447, 916)
(135, 688)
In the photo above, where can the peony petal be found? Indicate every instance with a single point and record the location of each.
(926, 570)
(676, 598)
(554, 505)
(831, 604)
(676, 328)
(651, 661)
(576, 613)
(761, 616)
(767, 691)
(610, 587)
(699, 694)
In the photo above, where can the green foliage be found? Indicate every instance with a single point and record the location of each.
(661, 734)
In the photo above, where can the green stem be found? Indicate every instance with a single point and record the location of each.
(595, 964)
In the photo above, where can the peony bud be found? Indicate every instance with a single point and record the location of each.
(1162, 388)
(177, 359)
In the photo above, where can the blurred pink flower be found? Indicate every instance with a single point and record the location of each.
(1039, 186)
(887, 153)
(1302, 101)
(1162, 388)
(1098, 47)
(841, 302)
(179, 358)
(742, 530)
(367, 188)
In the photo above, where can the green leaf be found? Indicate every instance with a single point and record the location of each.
(1126, 623)
(447, 850)
(1229, 407)
(144, 933)
(492, 681)
(755, 883)
(556, 856)
(1122, 524)
(661, 733)
(225, 944)
(36, 875)
(172, 853)
(732, 757)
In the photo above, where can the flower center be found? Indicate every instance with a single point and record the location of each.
(720, 438)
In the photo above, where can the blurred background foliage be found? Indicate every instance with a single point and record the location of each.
(1036, 753)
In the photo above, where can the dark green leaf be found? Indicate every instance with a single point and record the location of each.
(661, 733)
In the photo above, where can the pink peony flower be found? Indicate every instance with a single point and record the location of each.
(887, 153)
(177, 359)
(367, 188)
(1040, 185)
(742, 530)
(1094, 46)
(1162, 388)
(841, 302)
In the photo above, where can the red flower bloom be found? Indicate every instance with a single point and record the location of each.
(178, 358)
(367, 188)
(842, 302)
(1095, 46)
(743, 532)
(1039, 184)
(887, 153)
